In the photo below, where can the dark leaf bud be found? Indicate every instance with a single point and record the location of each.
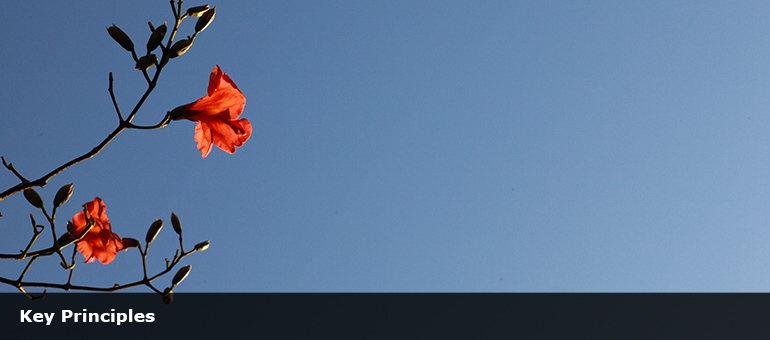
(65, 239)
(145, 63)
(121, 37)
(197, 11)
(33, 198)
(202, 246)
(62, 195)
(168, 296)
(153, 231)
(175, 223)
(129, 243)
(181, 275)
(179, 48)
(205, 19)
(156, 38)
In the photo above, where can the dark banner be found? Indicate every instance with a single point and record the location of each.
(388, 316)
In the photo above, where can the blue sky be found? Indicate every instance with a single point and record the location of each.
(413, 146)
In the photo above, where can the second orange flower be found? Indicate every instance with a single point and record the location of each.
(100, 243)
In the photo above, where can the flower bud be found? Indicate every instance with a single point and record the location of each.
(181, 275)
(69, 236)
(156, 38)
(129, 243)
(202, 246)
(205, 19)
(62, 195)
(145, 63)
(33, 198)
(65, 239)
(121, 37)
(153, 231)
(197, 11)
(168, 296)
(180, 47)
(175, 223)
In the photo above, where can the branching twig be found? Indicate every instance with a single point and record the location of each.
(67, 239)
(124, 123)
(146, 281)
(35, 234)
(61, 243)
(9, 166)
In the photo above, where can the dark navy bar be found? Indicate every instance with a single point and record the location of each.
(402, 316)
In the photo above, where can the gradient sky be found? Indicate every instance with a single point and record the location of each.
(412, 146)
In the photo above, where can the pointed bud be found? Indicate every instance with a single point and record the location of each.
(62, 195)
(156, 38)
(202, 246)
(197, 11)
(129, 243)
(153, 231)
(67, 237)
(168, 296)
(33, 198)
(145, 62)
(181, 275)
(205, 19)
(175, 223)
(179, 48)
(121, 37)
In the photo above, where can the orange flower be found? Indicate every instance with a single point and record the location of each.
(100, 243)
(217, 115)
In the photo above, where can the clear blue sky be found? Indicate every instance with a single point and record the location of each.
(413, 146)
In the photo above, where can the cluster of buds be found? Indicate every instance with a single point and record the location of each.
(205, 16)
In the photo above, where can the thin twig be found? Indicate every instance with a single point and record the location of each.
(163, 123)
(29, 264)
(9, 166)
(72, 268)
(114, 101)
(35, 234)
(33, 297)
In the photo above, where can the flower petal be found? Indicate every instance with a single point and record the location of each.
(227, 135)
(85, 249)
(214, 79)
(203, 137)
